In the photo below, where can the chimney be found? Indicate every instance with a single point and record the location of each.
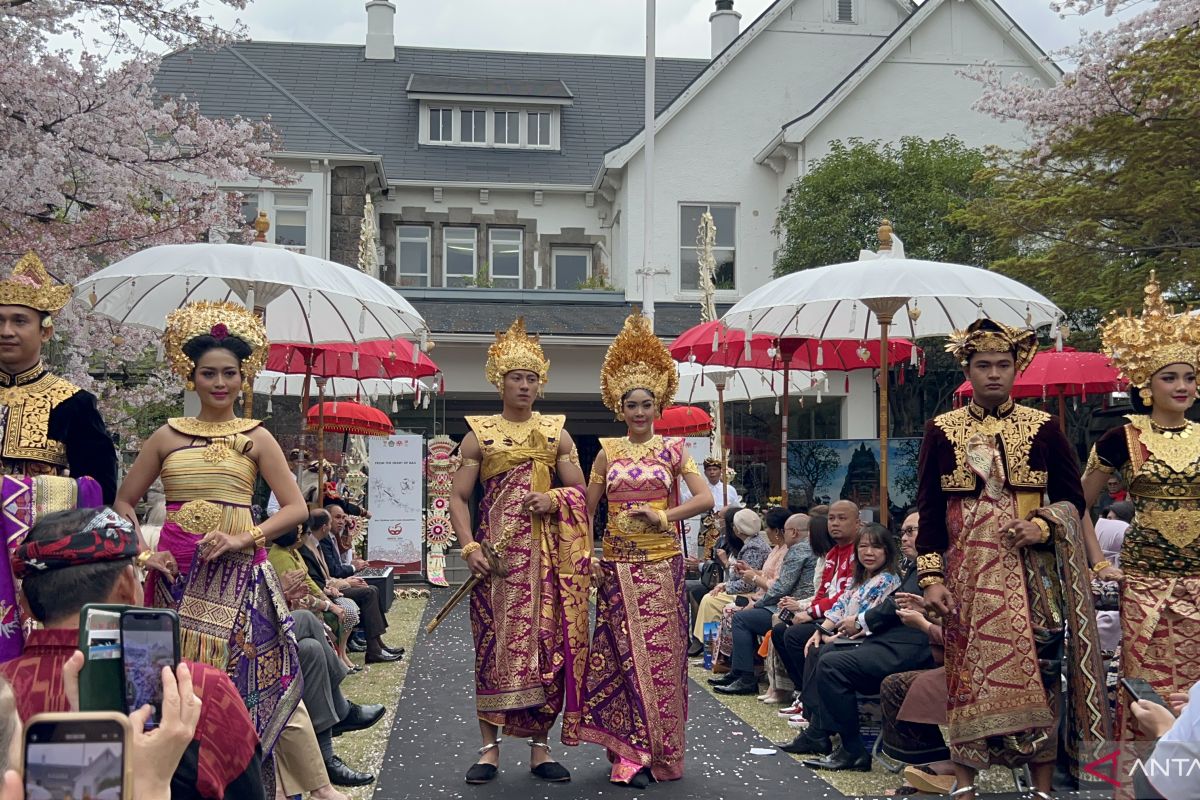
(725, 24)
(381, 31)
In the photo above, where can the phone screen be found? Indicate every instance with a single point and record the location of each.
(79, 758)
(147, 645)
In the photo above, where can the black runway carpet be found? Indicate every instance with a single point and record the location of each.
(435, 738)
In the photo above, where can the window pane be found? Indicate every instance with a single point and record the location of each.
(544, 124)
(725, 276)
(506, 255)
(459, 255)
(472, 126)
(250, 208)
(291, 228)
(539, 129)
(689, 223)
(439, 125)
(507, 123)
(413, 255)
(689, 269)
(291, 199)
(570, 270)
(725, 218)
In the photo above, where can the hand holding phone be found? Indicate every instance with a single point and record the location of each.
(1140, 689)
(85, 753)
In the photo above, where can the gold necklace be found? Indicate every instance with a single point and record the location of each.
(190, 426)
(515, 432)
(1183, 431)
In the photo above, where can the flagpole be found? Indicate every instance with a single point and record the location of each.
(647, 271)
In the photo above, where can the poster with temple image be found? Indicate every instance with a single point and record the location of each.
(396, 493)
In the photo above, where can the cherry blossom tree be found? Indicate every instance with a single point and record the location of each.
(94, 164)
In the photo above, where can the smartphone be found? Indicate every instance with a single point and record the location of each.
(86, 754)
(102, 680)
(1140, 689)
(149, 642)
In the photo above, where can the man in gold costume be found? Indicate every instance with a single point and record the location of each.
(1001, 558)
(49, 429)
(531, 552)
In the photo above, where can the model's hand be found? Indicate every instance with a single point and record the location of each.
(1022, 533)
(478, 564)
(538, 503)
(938, 598)
(597, 573)
(1111, 574)
(216, 544)
(1152, 719)
(162, 561)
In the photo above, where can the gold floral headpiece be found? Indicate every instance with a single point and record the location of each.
(637, 360)
(219, 320)
(31, 286)
(988, 336)
(516, 349)
(1141, 346)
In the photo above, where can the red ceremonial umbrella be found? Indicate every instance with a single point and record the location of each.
(1063, 373)
(712, 343)
(385, 358)
(682, 421)
(344, 416)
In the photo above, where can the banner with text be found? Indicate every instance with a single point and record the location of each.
(396, 494)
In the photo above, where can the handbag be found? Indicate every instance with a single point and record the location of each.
(711, 573)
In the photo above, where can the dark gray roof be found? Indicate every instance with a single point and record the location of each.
(330, 99)
(503, 87)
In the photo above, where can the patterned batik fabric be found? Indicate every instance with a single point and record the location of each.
(23, 501)
(530, 626)
(636, 706)
(998, 711)
(232, 612)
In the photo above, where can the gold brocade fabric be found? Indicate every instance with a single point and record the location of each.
(498, 436)
(215, 492)
(27, 400)
(1163, 478)
(1014, 425)
(641, 474)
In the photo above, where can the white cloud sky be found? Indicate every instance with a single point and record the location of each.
(586, 26)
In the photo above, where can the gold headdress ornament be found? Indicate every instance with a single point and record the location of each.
(219, 320)
(988, 336)
(31, 286)
(516, 349)
(1141, 346)
(637, 360)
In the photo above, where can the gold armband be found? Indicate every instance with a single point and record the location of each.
(468, 548)
(931, 564)
(597, 476)
(929, 580)
(468, 462)
(1094, 463)
(1100, 566)
(572, 457)
(1045, 528)
(260, 538)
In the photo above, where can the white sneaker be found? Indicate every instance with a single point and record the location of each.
(798, 722)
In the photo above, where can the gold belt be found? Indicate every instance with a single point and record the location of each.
(197, 516)
(1179, 526)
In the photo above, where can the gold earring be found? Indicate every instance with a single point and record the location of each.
(189, 385)
(1146, 395)
(245, 384)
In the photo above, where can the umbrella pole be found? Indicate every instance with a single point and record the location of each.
(318, 500)
(721, 443)
(1062, 411)
(885, 321)
(783, 438)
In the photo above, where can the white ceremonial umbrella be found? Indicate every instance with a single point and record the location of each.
(861, 300)
(302, 298)
(701, 383)
(273, 383)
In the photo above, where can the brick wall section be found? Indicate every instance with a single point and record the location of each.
(347, 198)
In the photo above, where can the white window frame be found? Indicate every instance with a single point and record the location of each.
(266, 200)
(445, 113)
(691, 244)
(427, 240)
(446, 247)
(520, 276)
(490, 111)
(481, 130)
(568, 250)
(496, 114)
(539, 145)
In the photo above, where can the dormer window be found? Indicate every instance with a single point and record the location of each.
(489, 112)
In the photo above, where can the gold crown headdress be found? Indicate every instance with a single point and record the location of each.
(31, 286)
(988, 336)
(637, 360)
(516, 349)
(1141, 346)
(219, 320)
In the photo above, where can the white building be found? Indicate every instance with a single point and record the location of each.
(526, 169)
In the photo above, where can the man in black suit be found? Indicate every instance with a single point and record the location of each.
(857, 663)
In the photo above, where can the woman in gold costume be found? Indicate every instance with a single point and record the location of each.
(1158, 455)
(232, 613)
(635, 692)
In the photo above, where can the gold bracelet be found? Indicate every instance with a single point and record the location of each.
(663, 522)
(1100, 566)
(929, 580)
(468, 462)
(468, 548)
(930, 563)
(1045, 528)
(260, 538)
(143, 558)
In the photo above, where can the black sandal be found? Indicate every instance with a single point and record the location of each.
(550, 771)
(483, 773)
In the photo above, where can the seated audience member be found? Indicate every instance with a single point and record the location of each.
(1114, 493)
(695, 588)
(316, 529)
(747, 526)
(285, 556)
(868, 647)
(791, 638)
(1170, 769)
(72, 558)
(795, 575)
(1121, 510)
(1110, 534)
(778, 681)
(363, 594)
